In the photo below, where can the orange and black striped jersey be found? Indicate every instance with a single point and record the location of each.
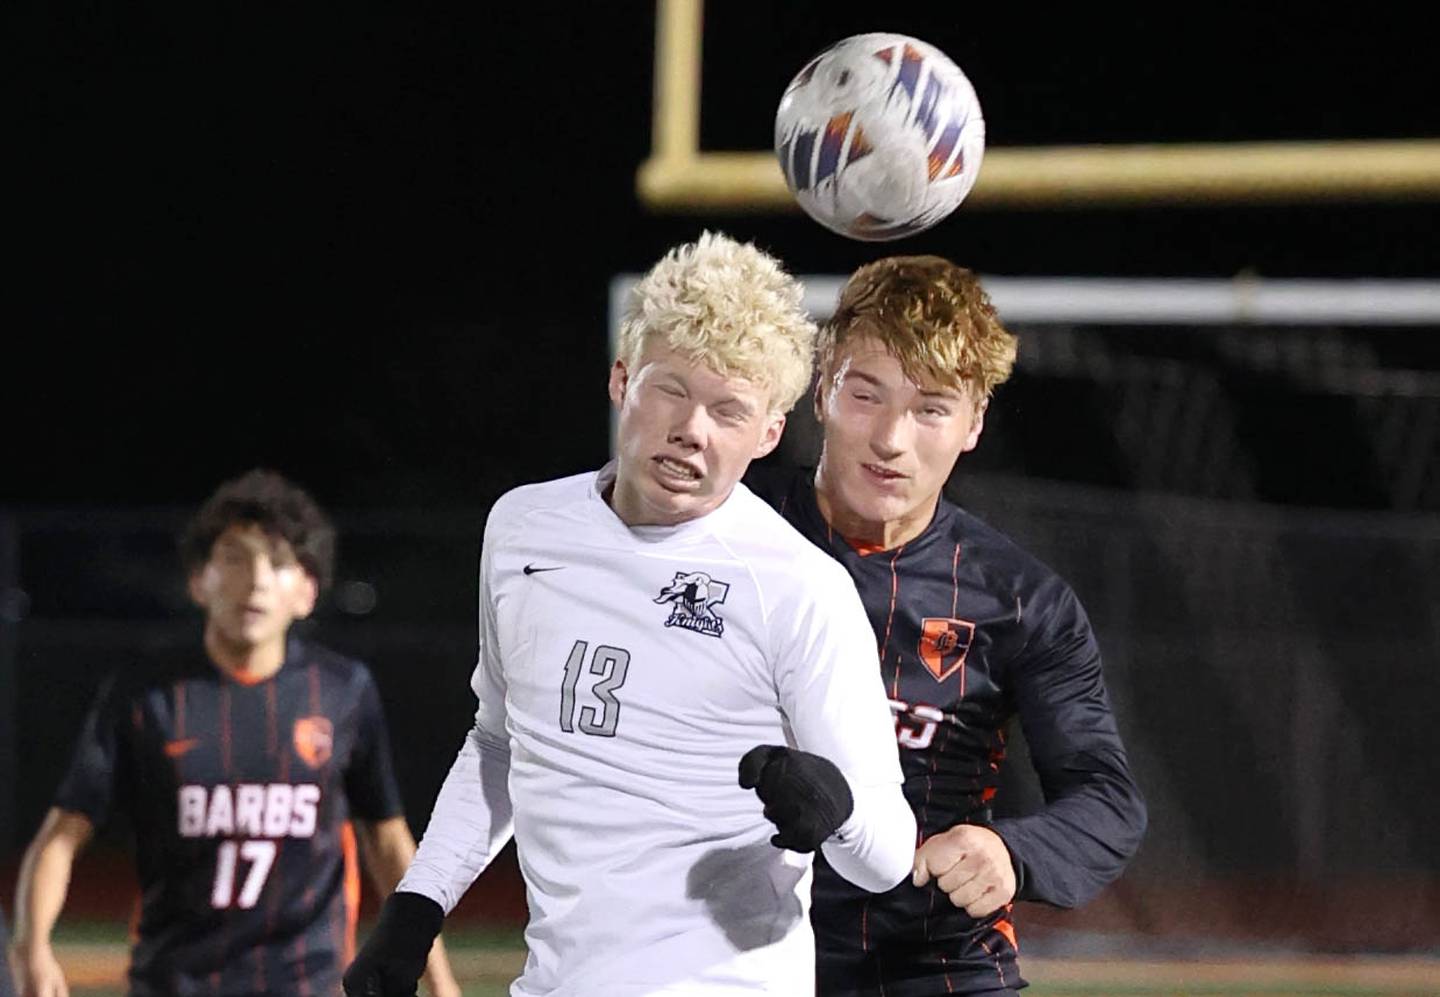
(972, 632)
(241, 798)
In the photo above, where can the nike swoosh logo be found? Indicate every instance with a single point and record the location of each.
(530, 569)
(177, 748)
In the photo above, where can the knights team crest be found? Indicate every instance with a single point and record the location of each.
(693, 596)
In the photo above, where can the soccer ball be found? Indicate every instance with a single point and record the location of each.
(879, 136)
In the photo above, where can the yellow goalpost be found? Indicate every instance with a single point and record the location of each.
(679, 175)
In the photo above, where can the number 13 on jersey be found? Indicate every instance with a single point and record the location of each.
(609, 665)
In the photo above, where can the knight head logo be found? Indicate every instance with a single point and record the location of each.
(693, 596)
(314, 740)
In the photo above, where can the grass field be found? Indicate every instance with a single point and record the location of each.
(486, 961)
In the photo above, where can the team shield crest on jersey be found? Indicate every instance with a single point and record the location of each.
(944, 644)
(693, 596)
(314, 740)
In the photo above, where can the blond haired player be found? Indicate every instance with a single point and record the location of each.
(642, 629)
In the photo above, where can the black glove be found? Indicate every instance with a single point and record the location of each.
(393, 958)
(806, 797)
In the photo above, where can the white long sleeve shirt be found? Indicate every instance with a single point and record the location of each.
(622, 674)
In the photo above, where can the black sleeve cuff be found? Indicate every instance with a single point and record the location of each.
(411, 920)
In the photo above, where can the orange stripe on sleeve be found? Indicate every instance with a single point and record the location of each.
(352, 888)
(1007, 929)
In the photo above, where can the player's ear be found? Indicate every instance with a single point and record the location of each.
(977, 427)
(195, 586)
(619, 381)
(817, 397)
(307, 593)
(770, 438)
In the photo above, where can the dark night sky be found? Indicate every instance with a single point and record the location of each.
(371, 246)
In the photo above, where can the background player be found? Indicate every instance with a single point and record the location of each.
(972, 631)
(641, 628)
(243, 766)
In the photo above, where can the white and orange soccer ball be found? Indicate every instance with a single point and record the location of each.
(880, 136)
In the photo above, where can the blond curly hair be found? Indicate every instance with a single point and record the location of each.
(729, 305)
(931, 315)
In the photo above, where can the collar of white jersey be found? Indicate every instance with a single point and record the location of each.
(702, 526)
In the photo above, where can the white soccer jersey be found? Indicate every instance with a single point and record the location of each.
(623, 672)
